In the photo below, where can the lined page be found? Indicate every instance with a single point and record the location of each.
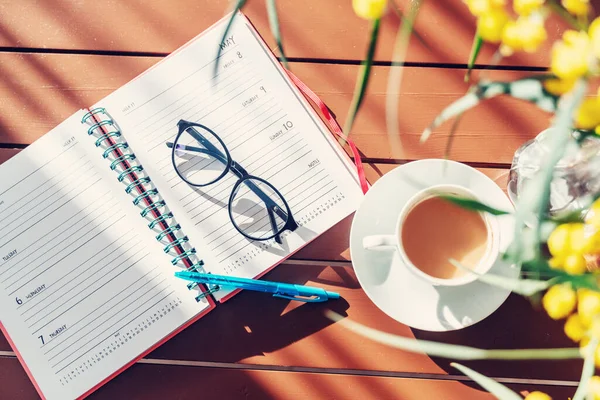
(85, 288)
(267, 127)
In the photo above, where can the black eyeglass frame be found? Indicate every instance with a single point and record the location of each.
(243, 178)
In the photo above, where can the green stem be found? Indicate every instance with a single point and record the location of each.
(393, 89)
(408, 21)
(452, 133)
(274, 24)
(363, 78)
(475, 49)
(563, 123)
(564, 14)
(587, 371)
(453, 351)
(499, 391)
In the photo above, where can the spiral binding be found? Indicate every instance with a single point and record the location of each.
(109, 138)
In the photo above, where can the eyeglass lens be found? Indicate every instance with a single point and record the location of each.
(257, 209)
(199, 162)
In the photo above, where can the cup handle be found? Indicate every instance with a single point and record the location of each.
(379, 242)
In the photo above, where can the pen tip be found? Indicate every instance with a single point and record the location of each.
(333, 295)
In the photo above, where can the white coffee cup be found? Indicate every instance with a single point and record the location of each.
(394, 242)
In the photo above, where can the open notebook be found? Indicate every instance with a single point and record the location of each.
(85, 288)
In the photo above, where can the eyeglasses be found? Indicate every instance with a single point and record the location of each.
(256, 208)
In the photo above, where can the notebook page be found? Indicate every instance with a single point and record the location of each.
(267, 127)
(84, 287)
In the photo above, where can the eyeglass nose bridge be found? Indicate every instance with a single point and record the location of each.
(239, 170)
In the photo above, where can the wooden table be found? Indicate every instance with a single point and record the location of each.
(57, 57)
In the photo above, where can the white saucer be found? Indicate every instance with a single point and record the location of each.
(383, 276)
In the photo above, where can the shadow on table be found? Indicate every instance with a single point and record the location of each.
(515, 325)
(252, 323)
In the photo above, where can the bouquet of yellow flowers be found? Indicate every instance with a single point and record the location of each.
(560, 251)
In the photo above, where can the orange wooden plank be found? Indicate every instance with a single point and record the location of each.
(291, 334)
(255, 329)
(333, 244)
(39, 91)
(299, 335)
(310, 29)
(177, 382)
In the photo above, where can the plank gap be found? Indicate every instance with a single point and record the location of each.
(333, 371)
(400, 161)
(310, 60)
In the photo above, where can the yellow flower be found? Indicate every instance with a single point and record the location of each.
(559, 86)
(588, 114)
(525, 7)
(588, 305)
(369, 9)
(594, 387)
(592, 241)
(556, 262)
(480, 7)
(577, 237)
(566, 239)
(592, 217)
(577, 7)
(558, 241)
(574, 328)
(575, 264)
(559, 301)
(524, 34)
(537, 396)
(594, 33)
(570, 55)
(491, 24)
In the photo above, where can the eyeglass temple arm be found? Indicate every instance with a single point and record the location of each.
(238, 170)
(274, 225)
(218, 156)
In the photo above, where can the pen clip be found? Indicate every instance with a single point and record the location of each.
(312, 299)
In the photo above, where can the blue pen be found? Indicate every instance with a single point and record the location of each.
(284, 290)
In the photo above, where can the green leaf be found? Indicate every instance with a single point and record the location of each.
(363, 78)
(585, 281)
(475, 49)
(453, 351)
(565, 218)
(539, 268)
(524, 287)
(238, 6)
(587, 372)
(471, 204)
(497, 389)
(274, 24)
